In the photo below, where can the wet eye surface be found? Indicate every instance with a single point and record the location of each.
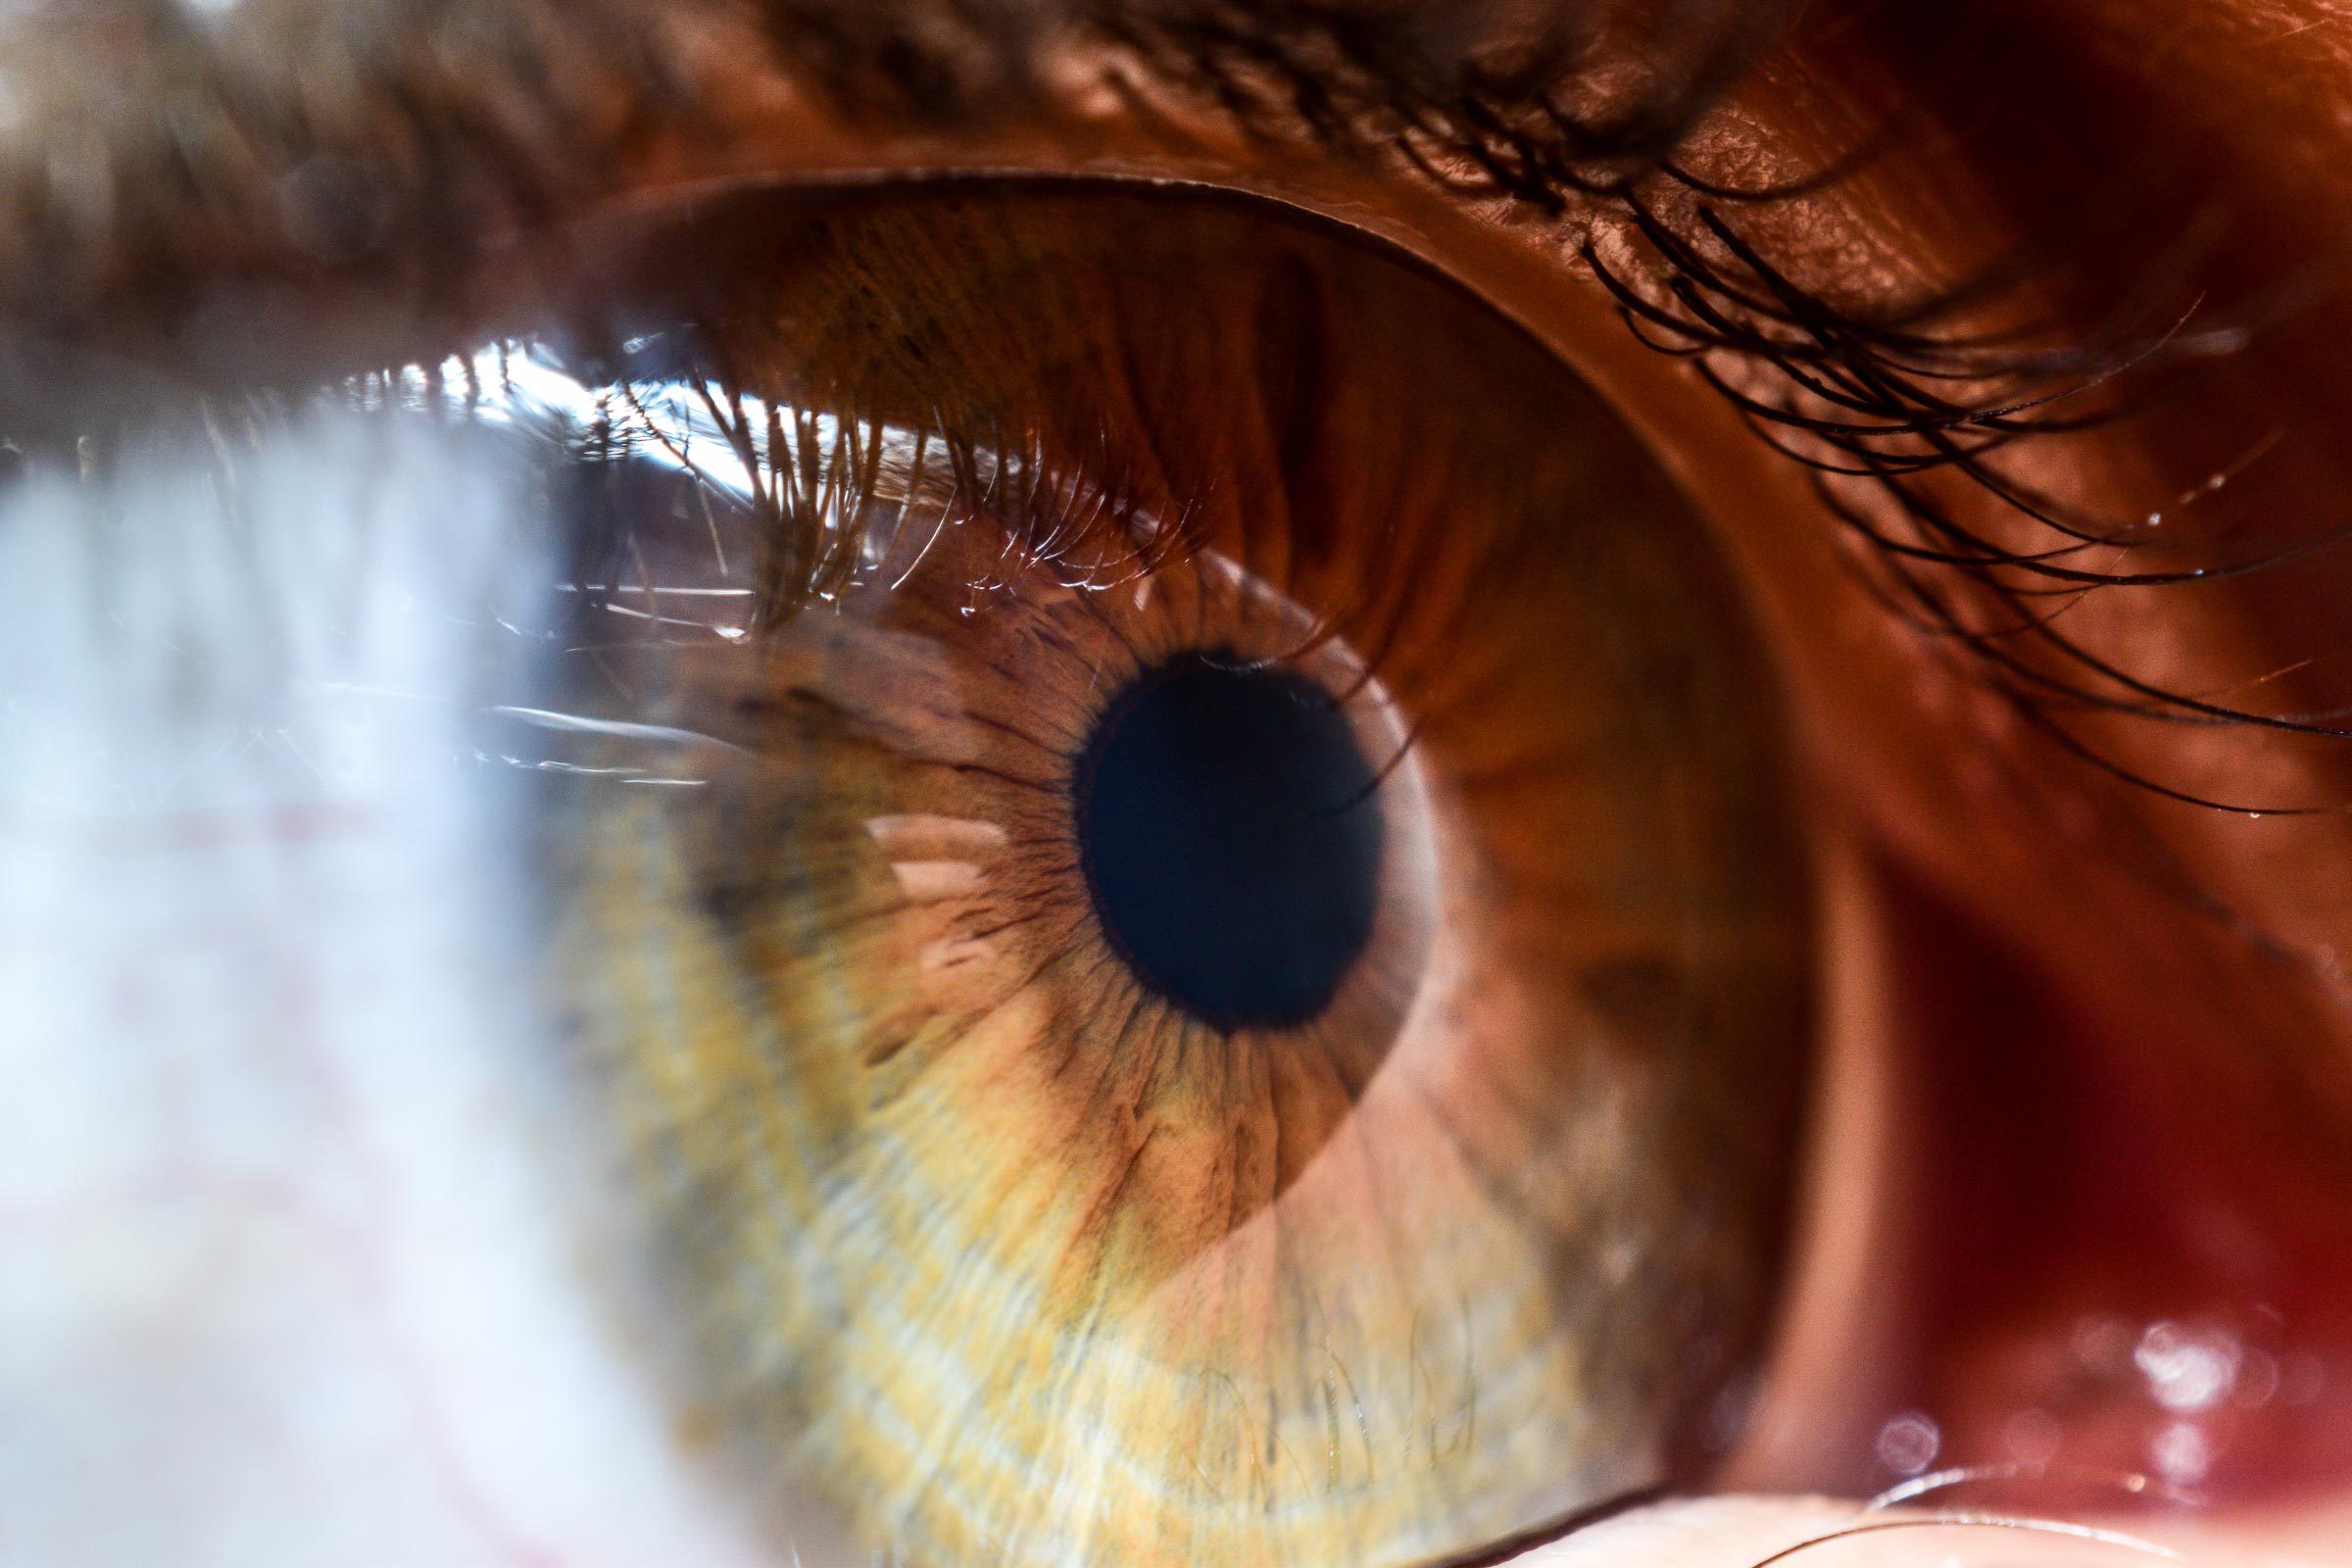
(1168, 845)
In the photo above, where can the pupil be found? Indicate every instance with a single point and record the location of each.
(1231, 840)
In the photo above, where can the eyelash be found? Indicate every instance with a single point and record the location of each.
(1873, 400)
(816, 480)
(1856, 401)
(1870, 398)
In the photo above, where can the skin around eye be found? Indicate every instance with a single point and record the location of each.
(2096, 997)
(1023, 1234)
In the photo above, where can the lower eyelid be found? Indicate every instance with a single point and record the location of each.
(1750, 1532)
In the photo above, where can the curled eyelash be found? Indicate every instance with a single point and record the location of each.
(1880, 407)
(1923, 1504)
(838, 498)
(2051, 1530)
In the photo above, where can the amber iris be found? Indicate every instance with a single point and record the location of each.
(1213, 966)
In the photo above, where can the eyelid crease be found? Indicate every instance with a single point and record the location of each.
(305, 142)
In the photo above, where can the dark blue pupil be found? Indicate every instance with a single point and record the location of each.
(1231, 839)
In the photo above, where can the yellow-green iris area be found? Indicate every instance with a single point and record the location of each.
(988, 1239)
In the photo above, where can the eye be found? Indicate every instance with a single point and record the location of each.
(1158, 883)
(1057, 870)
(1231, 981)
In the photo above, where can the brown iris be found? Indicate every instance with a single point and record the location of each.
(1226, 980)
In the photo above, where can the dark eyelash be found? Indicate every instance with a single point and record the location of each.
(1525, 103)
(1532, 116)
(1876, 404)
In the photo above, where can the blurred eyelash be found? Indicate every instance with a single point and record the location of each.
(1532, 119)
(836, 495)
(254, 145)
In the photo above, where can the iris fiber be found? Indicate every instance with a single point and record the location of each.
(1025, 1199)
(1232, 839)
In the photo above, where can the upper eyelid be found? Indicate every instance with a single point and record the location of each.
(248, 146)
(255, 141)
